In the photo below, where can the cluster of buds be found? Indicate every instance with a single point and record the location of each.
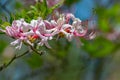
(43, 30)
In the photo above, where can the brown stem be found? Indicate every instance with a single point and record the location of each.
(38, 52)
(33, 49)
(5, 65)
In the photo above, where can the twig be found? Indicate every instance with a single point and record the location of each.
(38, 52)
(5, 65)
(33, 49)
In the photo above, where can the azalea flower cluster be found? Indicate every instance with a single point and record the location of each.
(43, 30)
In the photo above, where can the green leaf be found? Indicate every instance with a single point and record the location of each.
(5, 24)
(34, 8)
(12, 18)
(45, 3)
(55, 6)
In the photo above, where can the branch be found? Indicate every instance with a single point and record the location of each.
(34, 50)
(38, 52)
(5, 65)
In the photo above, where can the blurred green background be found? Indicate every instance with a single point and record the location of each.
(97, 59)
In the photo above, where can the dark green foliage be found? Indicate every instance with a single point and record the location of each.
(35, 11)
(108, 17)
(34, 60)
(70, 2)
(99, 47)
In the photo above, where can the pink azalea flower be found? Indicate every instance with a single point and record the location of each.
(44, 30)
(79, 30)
(39, 29)
(17, 31)
(72, 29)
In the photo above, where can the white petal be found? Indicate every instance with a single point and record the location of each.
(50, 38)
(33, 23)
(47, 45)
(39, 34)
(15, 42)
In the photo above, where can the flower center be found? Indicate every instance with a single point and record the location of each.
(33, 38)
